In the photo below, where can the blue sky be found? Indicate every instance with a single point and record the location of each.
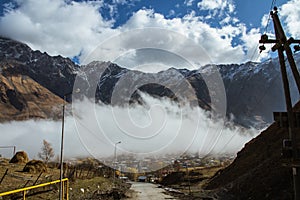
(227, 30)
(248, 11)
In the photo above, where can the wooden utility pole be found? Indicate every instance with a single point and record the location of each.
(283, 44)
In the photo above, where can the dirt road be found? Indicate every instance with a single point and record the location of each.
(147, 191)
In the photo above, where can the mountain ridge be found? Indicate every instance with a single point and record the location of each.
(250, 88)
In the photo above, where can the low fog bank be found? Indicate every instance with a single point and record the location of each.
(157, 128)
(29, 135)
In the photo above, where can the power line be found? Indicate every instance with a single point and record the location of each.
(269, 17)
(250, 61)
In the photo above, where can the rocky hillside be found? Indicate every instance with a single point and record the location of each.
(23, 98)
(56, 73)
(259, 171)
(32, 83)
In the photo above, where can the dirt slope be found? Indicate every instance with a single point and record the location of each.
(22, 98)
(258, 172)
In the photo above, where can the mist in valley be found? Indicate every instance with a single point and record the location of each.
(156, 128)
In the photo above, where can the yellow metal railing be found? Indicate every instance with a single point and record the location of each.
(24, 190)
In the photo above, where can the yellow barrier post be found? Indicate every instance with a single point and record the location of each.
(67, 190)
(63, 191)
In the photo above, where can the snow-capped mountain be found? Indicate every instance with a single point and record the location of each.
(253, 90)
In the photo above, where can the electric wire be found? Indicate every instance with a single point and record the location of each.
(269, 18)
(248, 63)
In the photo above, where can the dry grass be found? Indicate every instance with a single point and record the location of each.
(16, 178)
(79, 189)
(192, 186)
(35, 166)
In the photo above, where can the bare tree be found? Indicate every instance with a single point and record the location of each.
(47, 152)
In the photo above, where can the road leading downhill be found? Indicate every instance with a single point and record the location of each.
(147, 191)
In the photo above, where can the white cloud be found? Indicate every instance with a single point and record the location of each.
(265, 20)
(56, 26)
(211, 4)
(291, 13)
(189, 2)
(182, 36)
(29, 135)
(250, 40)
(211, 39)
(159, 128)
(216, 5)
(71, 28)
(122, 2)
(231, 8)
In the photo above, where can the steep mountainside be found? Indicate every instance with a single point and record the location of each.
(55, 73)
(22, 98)
(250, 88)
(259, 171)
